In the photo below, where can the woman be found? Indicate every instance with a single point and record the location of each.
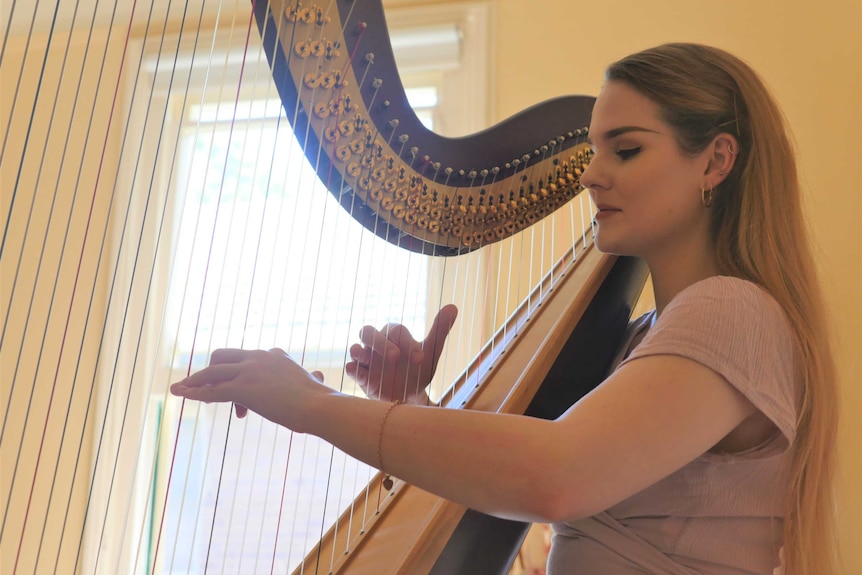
(708, 447)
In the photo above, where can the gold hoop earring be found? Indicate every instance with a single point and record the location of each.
(706, 196)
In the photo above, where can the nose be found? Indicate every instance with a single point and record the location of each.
(592, 176)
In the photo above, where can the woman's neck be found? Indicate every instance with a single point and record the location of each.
(675, 271)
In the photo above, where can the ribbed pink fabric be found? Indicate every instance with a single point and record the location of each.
(722, 513)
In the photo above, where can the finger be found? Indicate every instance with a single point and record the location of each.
(241, 410)
(205, 393)
(211, 375)
(360, 354)
(401, 336)
(229, 355)
(318, 375)
(357, 371)
(378, 343)
(441, 326)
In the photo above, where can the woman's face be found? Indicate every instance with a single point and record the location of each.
(647, 192)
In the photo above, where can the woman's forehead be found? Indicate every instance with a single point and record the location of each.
(619, 109)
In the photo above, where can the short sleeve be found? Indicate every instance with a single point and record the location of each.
(738, 330)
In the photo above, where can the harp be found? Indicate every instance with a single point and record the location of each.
(102, 176)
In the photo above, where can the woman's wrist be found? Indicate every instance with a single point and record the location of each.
(317, 412)
(419, 398)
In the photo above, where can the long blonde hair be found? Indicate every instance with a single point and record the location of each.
(760, 235)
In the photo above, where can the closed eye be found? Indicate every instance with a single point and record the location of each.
(628, 153)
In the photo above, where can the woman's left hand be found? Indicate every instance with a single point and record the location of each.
(269, 383)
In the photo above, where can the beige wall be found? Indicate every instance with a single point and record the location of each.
(809, 54)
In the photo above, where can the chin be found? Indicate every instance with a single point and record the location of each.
(604, 244)
(608, 246)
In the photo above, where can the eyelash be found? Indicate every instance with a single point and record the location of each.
(628, 153)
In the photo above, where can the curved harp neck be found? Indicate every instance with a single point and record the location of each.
(336, 75)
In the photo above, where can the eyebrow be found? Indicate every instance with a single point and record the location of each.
(610, 134)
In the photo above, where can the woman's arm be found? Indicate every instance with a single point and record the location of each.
(650, 418)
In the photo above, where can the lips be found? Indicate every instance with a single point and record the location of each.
(605, 211)
(607, 208)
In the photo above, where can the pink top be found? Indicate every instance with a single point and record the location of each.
(722, 513)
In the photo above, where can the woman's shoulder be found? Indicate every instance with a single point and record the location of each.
(727, 298)
(725, 286)
(737, 329)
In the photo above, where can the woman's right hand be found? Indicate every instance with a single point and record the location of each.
(390, 365)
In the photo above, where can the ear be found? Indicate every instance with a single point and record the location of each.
(721, 155)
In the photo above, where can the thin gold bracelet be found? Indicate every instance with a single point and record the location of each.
(387, 479)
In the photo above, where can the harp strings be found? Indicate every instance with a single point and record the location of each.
(136, 245)
(42, 345)
(195, 331)
(130, 300)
